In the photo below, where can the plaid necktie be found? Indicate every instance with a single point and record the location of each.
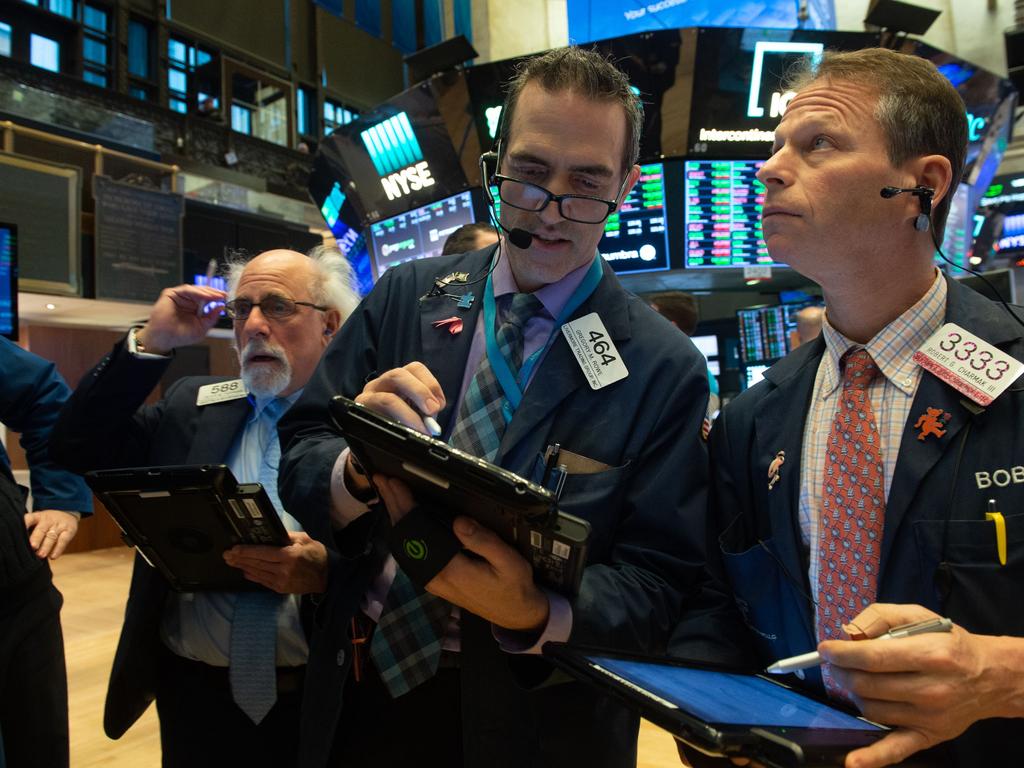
(480, 425)
(406, 646)
(252, 667)
(853, 514)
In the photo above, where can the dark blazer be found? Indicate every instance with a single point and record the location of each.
(937, 549)
(646, 509)
(105, 425)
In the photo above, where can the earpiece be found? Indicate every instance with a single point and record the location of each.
(922, 221)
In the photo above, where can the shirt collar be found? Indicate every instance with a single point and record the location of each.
(259, 404)
(893, 347)
(553, 296)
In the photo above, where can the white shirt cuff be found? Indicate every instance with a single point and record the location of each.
(344, 506)
(557, 630)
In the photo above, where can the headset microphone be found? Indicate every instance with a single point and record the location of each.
(520, 238)
(922, 221)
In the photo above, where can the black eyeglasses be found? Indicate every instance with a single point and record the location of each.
(530, 197)
(273, 307)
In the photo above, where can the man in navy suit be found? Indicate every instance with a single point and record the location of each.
(851, 488)
(180, 648)
(632, 449)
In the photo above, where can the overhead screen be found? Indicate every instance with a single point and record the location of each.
(9, 281)
(636, 238)
(723, 215)
(599, 19)
(418, 234)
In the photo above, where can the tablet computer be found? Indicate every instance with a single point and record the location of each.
(724, 713)
(181, 519)
(523, 513)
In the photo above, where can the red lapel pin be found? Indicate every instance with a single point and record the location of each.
(453, 324)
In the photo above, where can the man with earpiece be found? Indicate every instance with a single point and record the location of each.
(469, 687)
(876, 477)
(226, 669)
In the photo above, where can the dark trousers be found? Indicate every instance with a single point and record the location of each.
(423, 727)
(200, 724)
(33, 679)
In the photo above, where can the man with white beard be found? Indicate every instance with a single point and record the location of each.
(220, 702)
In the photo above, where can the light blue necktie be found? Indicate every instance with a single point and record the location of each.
(253, 650)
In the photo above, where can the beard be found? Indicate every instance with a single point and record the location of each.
(264, 378)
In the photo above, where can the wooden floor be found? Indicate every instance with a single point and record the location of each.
(95, 585)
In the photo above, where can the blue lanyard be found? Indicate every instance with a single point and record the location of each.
(510, 385)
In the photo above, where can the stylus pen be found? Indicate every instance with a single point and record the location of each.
(432, 426)
(813, 659)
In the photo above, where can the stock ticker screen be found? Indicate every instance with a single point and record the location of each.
(8, 281)
(635, 239)
(419, 233)
(723, 215)
(767, 333)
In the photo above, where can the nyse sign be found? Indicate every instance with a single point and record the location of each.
(411, 179)
(775, 50)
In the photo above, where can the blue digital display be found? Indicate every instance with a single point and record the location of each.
(419, 233)
(601, 19)
(725, 698)
(8, 281)
(635, 237)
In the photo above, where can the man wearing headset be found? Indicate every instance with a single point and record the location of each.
(507, 392)
(850, 489)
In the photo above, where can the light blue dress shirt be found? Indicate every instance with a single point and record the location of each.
(197, 625)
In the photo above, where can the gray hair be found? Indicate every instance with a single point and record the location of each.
(334, 282)
(582, 71)
(919, 110)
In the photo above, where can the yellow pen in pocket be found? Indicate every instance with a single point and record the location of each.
(997, 518)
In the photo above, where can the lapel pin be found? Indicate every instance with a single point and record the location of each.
(774, 469)
(465, 301)
(455, 277)
(453, 324)
(932, 422)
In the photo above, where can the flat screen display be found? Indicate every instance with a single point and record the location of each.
(9, 281)
(708, 345)
(959, 235)
(419, 233)
(636, 238)
(727, 698)
(767, 333)
(723, 215)
(753, 374)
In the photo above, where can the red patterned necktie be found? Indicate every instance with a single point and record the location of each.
(853, 508)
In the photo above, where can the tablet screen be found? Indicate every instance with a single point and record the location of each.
(726, 698)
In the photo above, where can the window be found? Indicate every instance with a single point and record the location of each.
(95, 45)
(138, 49)
(241, 119)
(193, 78)
(335, 116)
(305, 110)
(44, 53)
(403, 25)
(65, 8)
(261, 105)
(5, 39)
(368, 16)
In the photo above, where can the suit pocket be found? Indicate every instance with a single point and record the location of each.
(969, 583)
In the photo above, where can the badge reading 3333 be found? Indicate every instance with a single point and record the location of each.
(968, 364)
(595, 352)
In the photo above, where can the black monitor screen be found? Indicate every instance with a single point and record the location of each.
(767, 333)
(419, 233)
(723, 214)
(635, 239)
(9, 281)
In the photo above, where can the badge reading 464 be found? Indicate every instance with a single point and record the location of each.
(595, 351)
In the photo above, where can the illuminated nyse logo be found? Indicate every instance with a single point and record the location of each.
(779, 100)
(397, 156)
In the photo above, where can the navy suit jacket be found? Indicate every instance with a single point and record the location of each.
(105, 425)
(647, 509)
(938, 550)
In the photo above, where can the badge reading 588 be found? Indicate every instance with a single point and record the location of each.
(595, 352)
(968, 364)
(220, 392)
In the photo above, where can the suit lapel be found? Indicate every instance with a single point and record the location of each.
(216, 430)
(779, 426)
(917, 457)
(559, 374)
(445, 353)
